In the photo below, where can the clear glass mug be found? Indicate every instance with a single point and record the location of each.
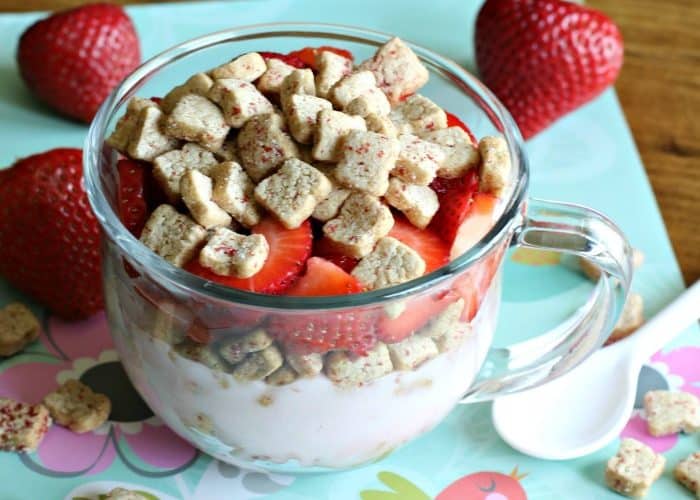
(172, 328)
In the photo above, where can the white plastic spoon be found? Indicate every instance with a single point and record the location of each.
(585, 409)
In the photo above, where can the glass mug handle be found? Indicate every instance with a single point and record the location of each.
(569, 229)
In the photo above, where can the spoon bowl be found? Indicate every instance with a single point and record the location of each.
(585, 409)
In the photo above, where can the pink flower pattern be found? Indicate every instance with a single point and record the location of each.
(145, 445)
(684, 363)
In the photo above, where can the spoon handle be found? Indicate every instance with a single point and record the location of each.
(666, 324)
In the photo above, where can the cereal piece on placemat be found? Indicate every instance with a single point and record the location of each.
(495, 165)
(76, 406)
(228, 253)
(172, 235)
(633, 469)
(390, 263)
(631, 318)
(124, 494)
(687, 472)
(362, 220)
(348, 370)
(18, 327)
(22, 426)
(671, 412)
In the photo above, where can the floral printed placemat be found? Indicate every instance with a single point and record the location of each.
(588, 157)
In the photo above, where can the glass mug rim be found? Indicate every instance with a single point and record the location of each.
(468, 85)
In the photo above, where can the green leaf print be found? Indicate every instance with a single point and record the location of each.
(402, 489)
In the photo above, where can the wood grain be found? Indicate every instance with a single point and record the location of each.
(660, 92)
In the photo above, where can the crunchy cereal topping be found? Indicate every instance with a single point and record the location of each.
(418, 160)
(248, 67)
(418, 203)
(495, 165)
(372, 102)
(298, 82)
(234, 192)
(126, 125)
(332, 127)
(460, 153)
(147, 139)
(198, 84)
(381, 125)
(271, 81)
(228, 253)
(687, 472)
(196, 189)
(390, 263)
(352, 86)
(418, 115)
(302, 114)
(367, 159)
(169, 168)
(258, 365)
(239, 100)
(330, 206)
(263, 146)
(235, 349)
(331, 69)
(196, 119)
(347, 370)
(173, 236)
(412, 352)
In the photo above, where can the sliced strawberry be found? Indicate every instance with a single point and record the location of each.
(289, 251)
(131, 195)
(325, 249)
(473, 285)
(308, 54)
(475, 225)
(417, 313)
(353, 331)
(429, 245)
(455, 196)
(290, 58)
(453, 121)
(324, 278)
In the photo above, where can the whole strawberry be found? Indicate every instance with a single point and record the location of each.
(49, 237)
(73, 59)
(544, 58)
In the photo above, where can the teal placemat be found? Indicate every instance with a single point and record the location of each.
(588, 157)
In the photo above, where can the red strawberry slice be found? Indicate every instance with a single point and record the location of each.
(475, 283)
(545, 58)
(289, 250)
(324, 278)
(290, 59)
(353, 331)
(455, 196)
(73, 59)
(325, 249)
(429, 245)
(49, 237)
(131, 195)
(415, 316)
(475, 225)
(453, 121)
(308, 54)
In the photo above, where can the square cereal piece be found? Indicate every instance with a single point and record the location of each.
(198, 84)
(418, 203)
(397, 69)
(306, 365)
(390, 263)
(495, 165)
(231, 254)
(271, 81)
(302, 113)
(124, 494)
(366, 160)
(330, 206)
(372, 102)
(284, 375)
(172, 235)
(362, 220)
(381, 125)
(22, 426)
(687, 472)
(239, 100)
(169, 168)
(412, 352)
(445, 321)
(633, 469)
(454, 337)
(148, 140)
(258, 365)
(293, 192)
(125, 126)
(631, 318)
(18, 328)
(263, 146)
(237, 347)
(203, 354)
(460, 153)
(76, 406)
(248, 67)
(331, 69)
(352, 86)
(347, 370)
(228, 151)
(418, 115)
(332, 127)
(196, 189)
(671, 412)
(234, 192)
(298, 82)
(418, 160)
(196, 119)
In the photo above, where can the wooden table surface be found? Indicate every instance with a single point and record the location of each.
(660, 92)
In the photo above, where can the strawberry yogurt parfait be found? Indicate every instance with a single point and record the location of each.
(302, 248)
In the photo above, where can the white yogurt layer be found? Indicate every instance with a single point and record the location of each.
(311, 421)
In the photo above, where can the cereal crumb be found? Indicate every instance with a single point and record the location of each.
(76, 406)
(18, 328)
(633, 469)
